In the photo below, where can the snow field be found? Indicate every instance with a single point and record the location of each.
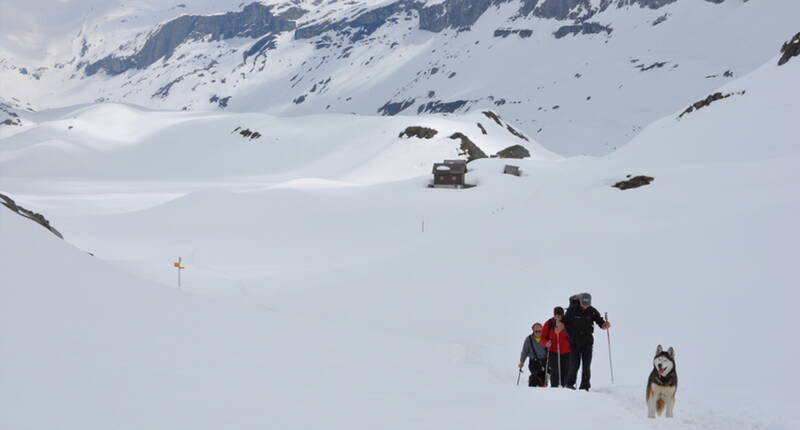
(312, 297)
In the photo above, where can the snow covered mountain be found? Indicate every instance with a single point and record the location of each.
(325, 284)
(347, 314)
(582, 76)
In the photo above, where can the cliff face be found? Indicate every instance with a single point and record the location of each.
(255, 20)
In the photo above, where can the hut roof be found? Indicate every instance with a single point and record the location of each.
(457, 168)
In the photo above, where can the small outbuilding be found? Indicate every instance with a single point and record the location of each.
(449, 174)
(512, 170)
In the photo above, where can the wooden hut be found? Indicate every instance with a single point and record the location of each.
(512, 170)
(449, 174)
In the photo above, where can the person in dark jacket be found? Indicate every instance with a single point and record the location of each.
(579, 320)
(534, 350)
(554, 336)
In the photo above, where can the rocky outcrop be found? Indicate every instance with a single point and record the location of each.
(516, 151)
(438, 106)
(492, 116)
(707, 102)
(652, 4)
(513, 131)
(362, 25)
(222, 102)
(463, 14)
(790, 49)
(259, 48)
(634, 182)
(13, 117)
(562, 9)
(505, 32)
(255, 20)
(394, 108)
(468, 147)
(582, 10)
(656, 65)
(583, 28)
(418, 132)
(247, 133)
(455, 14)
(496, 118)
(33, 216)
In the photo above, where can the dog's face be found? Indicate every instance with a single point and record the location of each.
(664, 362)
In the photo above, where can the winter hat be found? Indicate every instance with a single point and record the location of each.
(586, 299)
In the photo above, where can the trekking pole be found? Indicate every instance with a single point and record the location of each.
(519, 375)
(610, 365)
(558, 361)
(547, 368)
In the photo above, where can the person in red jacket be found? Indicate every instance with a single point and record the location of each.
(554, 336)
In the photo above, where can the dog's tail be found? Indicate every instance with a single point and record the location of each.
(659, 406)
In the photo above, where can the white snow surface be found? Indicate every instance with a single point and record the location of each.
(312, 298)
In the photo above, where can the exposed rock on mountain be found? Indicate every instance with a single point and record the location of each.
(33, 216)
(468, 147)
(790, 49)
(455, 14)
(635, 182)
(707, 102)
(359, 27)
(493, 116)
(656, 65)
(496, 118)
(505, 32)
(12, 117)
(418, 132)
(255, 20)
(247, 133)
(393, 108)
(438, 106)
(583, 28)
(516, 151)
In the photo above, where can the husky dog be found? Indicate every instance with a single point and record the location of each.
(662, 383)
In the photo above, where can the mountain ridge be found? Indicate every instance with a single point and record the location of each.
(584, 76)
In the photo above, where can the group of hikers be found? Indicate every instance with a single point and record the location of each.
(562, 345)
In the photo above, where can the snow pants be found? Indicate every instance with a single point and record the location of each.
(559, 369)
(580, 355)
(537, 374)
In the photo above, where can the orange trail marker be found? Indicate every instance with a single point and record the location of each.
(178, 265)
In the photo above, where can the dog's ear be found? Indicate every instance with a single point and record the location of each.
(658, 349)
(671, 353)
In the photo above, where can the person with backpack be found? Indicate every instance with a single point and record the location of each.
(579, 320)
(555, 338)
(536, 353)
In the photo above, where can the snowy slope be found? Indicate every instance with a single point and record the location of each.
(340, 312)
(104, 350)
(630, 62)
